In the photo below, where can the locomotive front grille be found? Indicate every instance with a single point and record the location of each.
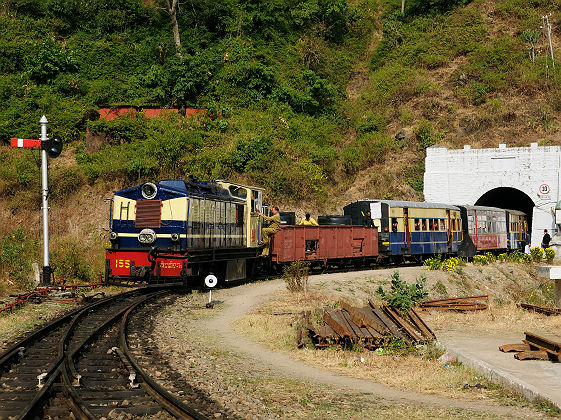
(148, 214)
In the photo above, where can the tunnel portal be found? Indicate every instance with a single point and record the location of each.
(517, 178)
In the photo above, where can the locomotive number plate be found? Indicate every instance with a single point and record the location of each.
(122, 263)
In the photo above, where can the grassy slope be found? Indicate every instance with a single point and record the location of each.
(310, 105)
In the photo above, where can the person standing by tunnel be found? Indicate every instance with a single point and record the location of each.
(546, 239)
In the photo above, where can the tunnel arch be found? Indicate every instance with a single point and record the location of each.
(508, 198)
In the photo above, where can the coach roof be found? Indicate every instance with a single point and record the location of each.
(410, 204)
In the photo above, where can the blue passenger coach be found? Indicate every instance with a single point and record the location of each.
(410, 228)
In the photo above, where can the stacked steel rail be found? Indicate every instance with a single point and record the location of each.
(534, 347)
(459, 304)
(370, 326)
(30, 368)
(42, 293)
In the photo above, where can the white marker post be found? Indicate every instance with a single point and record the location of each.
(210, 282)
(45, 203)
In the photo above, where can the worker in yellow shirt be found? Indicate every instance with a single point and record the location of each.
(308, 221)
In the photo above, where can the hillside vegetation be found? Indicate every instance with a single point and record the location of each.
(302, 98)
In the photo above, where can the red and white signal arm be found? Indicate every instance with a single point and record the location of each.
(25, 143)
(544, 189)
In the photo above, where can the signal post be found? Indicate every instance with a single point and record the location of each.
(49, 148)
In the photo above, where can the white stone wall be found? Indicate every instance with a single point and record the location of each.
(463, 176)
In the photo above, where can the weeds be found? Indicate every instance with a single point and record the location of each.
(403, 295)
(537, 253)
(296, 276)
(17, 252)
(549, 255)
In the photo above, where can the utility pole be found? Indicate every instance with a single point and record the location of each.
(547, 27)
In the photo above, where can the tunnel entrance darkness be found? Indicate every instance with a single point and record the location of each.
(508, 198)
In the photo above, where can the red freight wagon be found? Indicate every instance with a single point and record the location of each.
(324, 243)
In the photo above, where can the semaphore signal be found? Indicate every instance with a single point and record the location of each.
(52, 148)
(25, 143)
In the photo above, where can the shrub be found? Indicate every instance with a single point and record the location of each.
(17, 251)
(433, 263)
(537, 253)
(451, 263)
(549, 255)
(427, 136)
(403, 295)
(49, 61)
(480, 259)
(296, 275)
(252, 155)
(69, 263)
(491, 258)
(516, 256)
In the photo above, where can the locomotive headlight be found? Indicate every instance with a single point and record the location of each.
(174, 237)
(149, 190)
(112, 236)
(147, 236)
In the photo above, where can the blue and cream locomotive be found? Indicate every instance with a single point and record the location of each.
(178, 230)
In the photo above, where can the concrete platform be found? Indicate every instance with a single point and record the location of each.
(534, 379)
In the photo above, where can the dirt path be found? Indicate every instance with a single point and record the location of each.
(241, 300)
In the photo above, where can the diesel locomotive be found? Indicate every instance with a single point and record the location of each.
(178, 229)
(181, 231)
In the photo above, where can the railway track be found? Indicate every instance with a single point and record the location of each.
(79, 366)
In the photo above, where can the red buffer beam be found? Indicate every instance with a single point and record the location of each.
(25, 143)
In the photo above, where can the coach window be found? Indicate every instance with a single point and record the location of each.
(394, 224)
(425, 224)
(442, 226)
(435, 225)
(417, 224)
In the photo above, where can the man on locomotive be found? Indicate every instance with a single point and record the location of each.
(274, 227)
(367, 220)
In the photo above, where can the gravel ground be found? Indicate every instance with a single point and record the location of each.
(248, 388)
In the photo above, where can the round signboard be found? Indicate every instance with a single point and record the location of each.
(544, 189)
(211, 280)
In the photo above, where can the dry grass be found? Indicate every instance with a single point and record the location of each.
(30, 316)
(503, 282)
(182, 329)
(424, 375)
(497, 320)
(27, 318)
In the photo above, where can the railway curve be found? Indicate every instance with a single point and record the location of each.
(79, 366)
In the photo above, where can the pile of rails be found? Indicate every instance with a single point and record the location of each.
(534, 347)
(541, 309)
(369, 326)
(460, 304)
(55, 294)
